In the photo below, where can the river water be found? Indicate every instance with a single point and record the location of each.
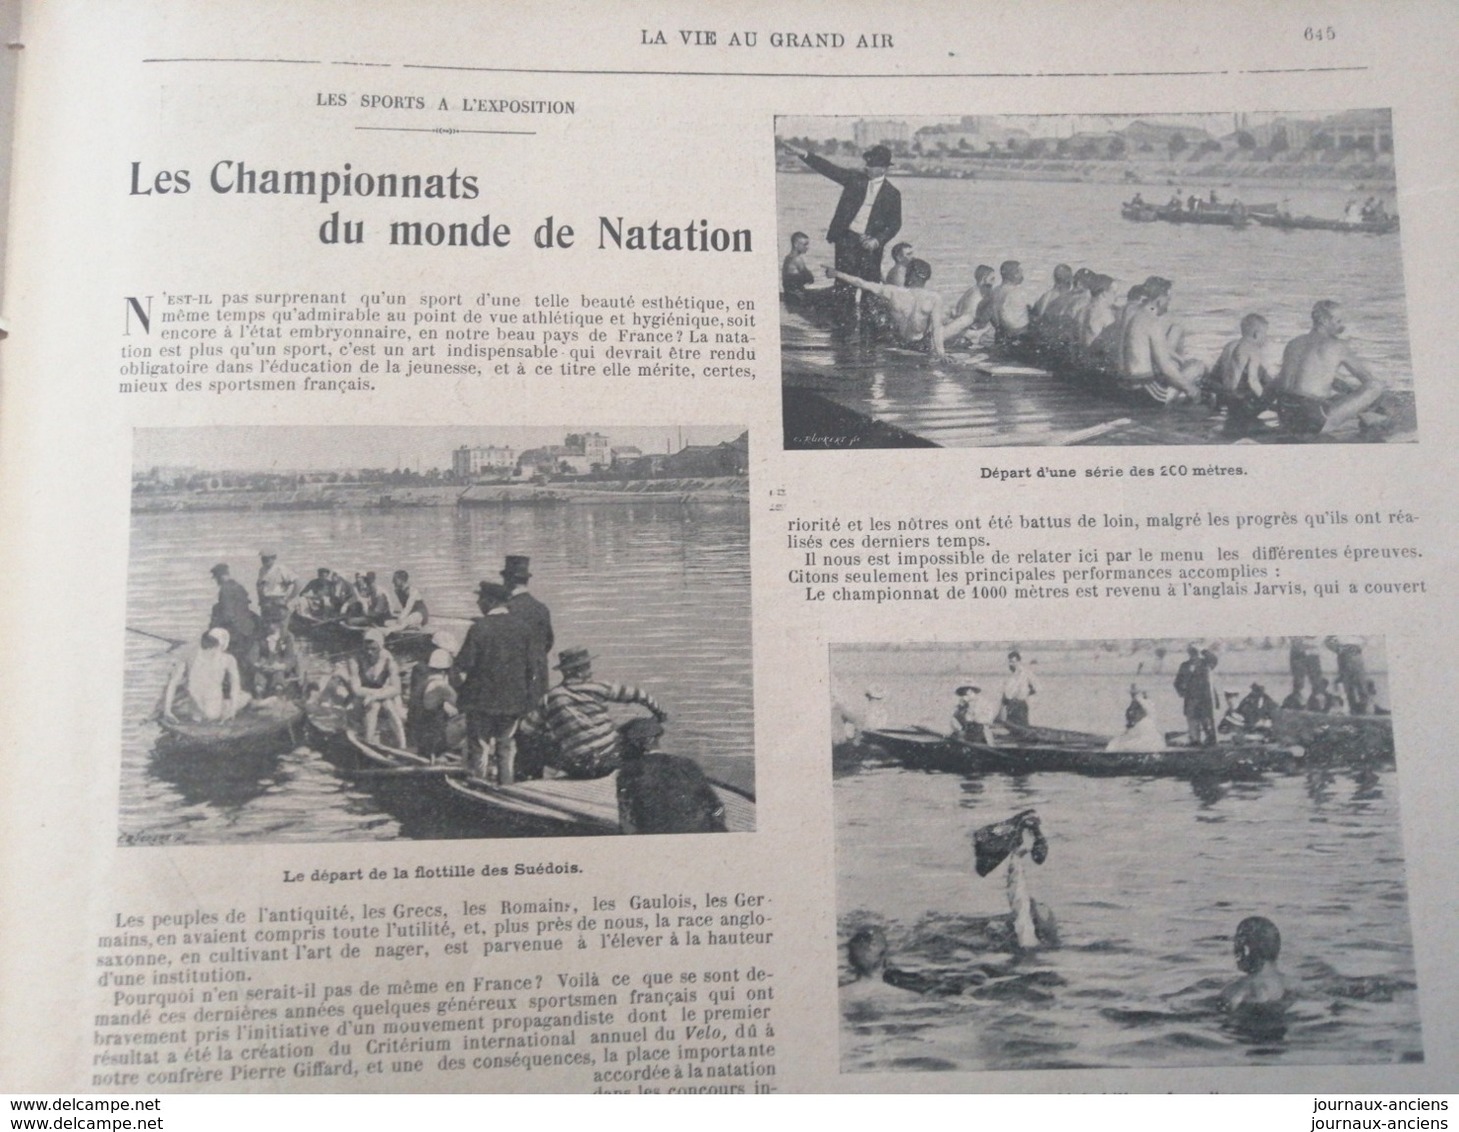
(1148, 879)
(658, 592)
(1220, 274)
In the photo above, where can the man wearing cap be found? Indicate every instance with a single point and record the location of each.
(276, 584)
(233, 612)
(574, 718)
(516, 573)
(660, 793)
(867, 216)
(494, 671)
(431, 715)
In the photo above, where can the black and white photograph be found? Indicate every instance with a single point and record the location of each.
(370, 633)
(1081, 279)
(1120, 854)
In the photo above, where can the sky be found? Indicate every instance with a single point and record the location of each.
(1038, 125)
(347, 447)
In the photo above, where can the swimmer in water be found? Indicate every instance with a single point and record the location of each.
(867, 953)
(1018, 840)
(1257, 944)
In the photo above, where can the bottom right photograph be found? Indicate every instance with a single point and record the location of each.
(1135, 853)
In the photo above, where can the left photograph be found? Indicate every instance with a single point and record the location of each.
(372, 633)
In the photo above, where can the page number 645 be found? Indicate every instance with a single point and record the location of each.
(1320, 35)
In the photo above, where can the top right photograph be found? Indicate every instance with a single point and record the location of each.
(1136, 279)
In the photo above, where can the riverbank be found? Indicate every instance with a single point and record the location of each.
(1351, 170)
(354, 497)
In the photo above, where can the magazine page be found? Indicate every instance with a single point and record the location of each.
(731, 550)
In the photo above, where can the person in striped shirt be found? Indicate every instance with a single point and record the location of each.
(573, 719)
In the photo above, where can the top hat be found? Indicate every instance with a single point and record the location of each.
(517, 568)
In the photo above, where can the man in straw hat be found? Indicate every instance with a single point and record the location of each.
(494, 670)
(516, 573)
(574, 721)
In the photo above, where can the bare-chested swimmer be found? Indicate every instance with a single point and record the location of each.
(1099, 314)
(1009, 303)
(1257, 944)
(867, 954)
(1146, 348)
(795, 275)
(1311, 396)
(901, 257)
(1246, 386)
(916, 314)
(1063, 282)
(978, 297)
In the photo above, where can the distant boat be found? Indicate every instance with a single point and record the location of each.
(1294, 223)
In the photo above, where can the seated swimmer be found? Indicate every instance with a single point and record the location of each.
(1310, 399)
(976, 298)
(901, 260)
(1099, 315)
(1146, 350)
(1063, 284)
(1009, 303)
(917, 315)
(1246, 387)
(795, 276)
(1257, 944)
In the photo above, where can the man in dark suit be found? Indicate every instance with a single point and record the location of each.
(867, 217)
(516, 573)
(494, 669)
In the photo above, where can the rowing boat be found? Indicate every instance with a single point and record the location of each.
(1317, 223)
(256, 728)
(567, 806)
(340, 635)
(1226, 760)
(1031, 749)
(1356, 737)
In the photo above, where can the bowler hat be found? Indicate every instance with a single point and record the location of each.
(877, 155)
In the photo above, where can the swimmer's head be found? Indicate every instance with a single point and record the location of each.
(1063, 275)
(902, 252)
(867, 951)
(918, 272)
(1011, 271)
(983, 274)
(1253, 327)
(1100, 284)
(1257, 941)
(1324, 317)
(1081, 277)
(1136, 294)
(799, 243)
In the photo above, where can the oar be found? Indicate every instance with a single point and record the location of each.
(170, 642)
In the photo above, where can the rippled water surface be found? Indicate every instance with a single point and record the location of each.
(1220, 274)
(659, 593)
(1148, 879)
